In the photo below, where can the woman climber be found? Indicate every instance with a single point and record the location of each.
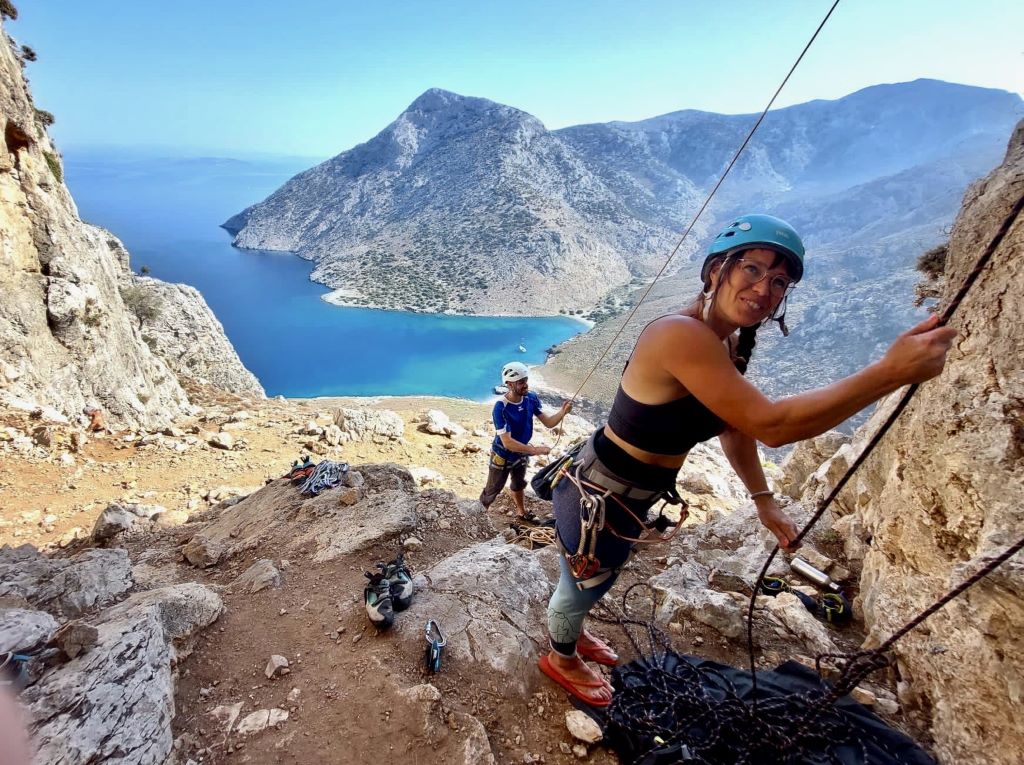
(682, 385)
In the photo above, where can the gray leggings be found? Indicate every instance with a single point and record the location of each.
(569, 606)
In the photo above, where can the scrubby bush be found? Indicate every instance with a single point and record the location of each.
(27, 54)
(91, 316)
(143, 303)
(7, 9)
(45, 118)
(144, 270)
(54, 164)
(933, 262)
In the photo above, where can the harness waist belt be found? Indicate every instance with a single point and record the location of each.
(625, 491)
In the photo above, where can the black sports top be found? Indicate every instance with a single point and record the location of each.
(673, 427)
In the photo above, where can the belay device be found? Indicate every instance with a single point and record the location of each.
(435, 642)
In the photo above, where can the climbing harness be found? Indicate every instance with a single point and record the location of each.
(584, 563)
(327, 475)
(436, 641)
(546, 479)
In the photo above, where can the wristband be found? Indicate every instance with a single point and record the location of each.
(765, 493)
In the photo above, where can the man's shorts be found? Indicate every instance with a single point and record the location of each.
(497, 474)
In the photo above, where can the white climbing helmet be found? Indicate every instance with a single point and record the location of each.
(514, 371)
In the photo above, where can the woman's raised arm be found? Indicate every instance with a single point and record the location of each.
(703, 366)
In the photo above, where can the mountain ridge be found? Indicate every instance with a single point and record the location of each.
(422, 215)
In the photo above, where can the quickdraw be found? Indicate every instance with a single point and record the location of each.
(833, 607)
(584, 563)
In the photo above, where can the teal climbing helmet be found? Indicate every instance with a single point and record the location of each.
(752, 231)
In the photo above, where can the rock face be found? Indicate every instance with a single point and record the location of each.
(64, 586)
(190, 339)
(67, 338)
(945, 490)
(127, 680)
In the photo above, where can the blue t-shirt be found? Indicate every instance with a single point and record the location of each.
(516, 420)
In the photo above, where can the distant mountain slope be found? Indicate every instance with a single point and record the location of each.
(467, 205)
(459, 204)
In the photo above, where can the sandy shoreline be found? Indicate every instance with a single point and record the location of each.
(338, 298)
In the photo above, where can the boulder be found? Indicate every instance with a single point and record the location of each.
(795, 624)
(202, 552)
(114, 520)
(332, 435)
(259, 576)
(490, 600)
(222, 440)
(436, 422)
(387, 508)
(425, 476)
(365, 424)
(23, 628)
(126, 678)
(65, 586)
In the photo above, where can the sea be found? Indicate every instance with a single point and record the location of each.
(167, 209)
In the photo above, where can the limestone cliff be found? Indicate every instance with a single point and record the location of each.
(67, 339)
(945, 489)
(189, 338)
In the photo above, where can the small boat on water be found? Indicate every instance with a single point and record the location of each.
(522, 349)
(501, 390)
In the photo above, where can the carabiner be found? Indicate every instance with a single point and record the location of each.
(434, 646)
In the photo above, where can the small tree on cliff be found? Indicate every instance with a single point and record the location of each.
(7, 9)
(144, 304)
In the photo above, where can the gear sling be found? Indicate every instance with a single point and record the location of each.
(597, 486)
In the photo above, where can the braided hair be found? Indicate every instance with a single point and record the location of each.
(744, 347)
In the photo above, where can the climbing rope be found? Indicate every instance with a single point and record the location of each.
(327, 475)
(859, 666)
(672, 708)
(703, 207)
(532, 537)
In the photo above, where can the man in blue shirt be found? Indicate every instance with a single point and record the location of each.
(513, 421)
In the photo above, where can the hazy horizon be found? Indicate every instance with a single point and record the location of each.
(318, 77)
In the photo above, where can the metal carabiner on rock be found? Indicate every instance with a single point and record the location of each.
(435, 642)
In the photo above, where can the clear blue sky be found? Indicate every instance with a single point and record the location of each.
(315, 77)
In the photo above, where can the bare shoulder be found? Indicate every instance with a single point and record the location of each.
(676, 328)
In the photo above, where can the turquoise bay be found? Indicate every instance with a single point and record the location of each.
(167, 210)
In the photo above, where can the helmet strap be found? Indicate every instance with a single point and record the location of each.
(707, 297)
(779, 316)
